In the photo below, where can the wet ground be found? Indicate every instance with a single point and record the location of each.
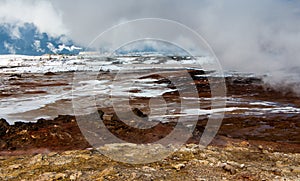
(48, 118)
(254, 111)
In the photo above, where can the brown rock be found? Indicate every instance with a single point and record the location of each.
(178, 166)
(49, 73)
(4, 126)
(229, 169)
(296, 169)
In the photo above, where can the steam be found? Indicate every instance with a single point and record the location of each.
(256, 36)
(41, 13)
(251, 36)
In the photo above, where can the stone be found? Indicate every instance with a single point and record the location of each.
(229, 169)
(279, 164)
(47, 176)
(277, 171)
(148, 169)
(60, 176)
(204, 162)
(139, 113)
(108, 117)
(178, 166)
(49, 73)
(76, 175)
(84, 156)
(244, 143)
(4, 126)
(51, 154)
(133, 175)
(16, 166)
(265, 151)
(235, 164)
(296, 169)
(3, 144)
(36, 159)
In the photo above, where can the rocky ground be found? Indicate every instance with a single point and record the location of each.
(247, 147)
(232, 162)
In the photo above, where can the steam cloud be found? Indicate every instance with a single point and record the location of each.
(252, 36)
(41, 13)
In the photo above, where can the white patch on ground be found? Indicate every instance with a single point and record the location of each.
(147, 88)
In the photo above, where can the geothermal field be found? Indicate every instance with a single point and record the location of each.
(86, 118)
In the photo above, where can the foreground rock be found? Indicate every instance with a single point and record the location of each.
(188, 163)
(59, 134)
(63, 133)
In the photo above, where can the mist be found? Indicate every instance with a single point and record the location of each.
(256, 36)
(250, 36)
(41, 13)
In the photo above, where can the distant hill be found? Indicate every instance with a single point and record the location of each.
(27, 40)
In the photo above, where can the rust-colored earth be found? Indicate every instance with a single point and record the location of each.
(279, 132)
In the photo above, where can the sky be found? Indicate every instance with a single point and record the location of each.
(246, 35)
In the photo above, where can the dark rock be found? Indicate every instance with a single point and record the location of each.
(115, 117)
(152, 76)
(16, 75)
(229, 169)
(20, 125)
(12, 148)
(3, 145)
(49, 73)
(4, 126)
(64, 118)
(42, 121)
(139, 113)
(193, 73)
(163, 81)
(101, 113)
(246, 80)
(178, 58)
